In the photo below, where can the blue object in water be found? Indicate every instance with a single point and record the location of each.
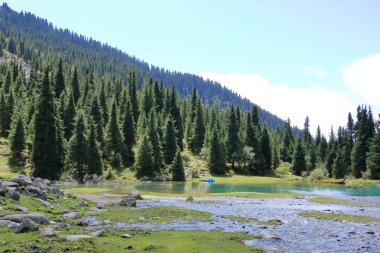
(209, 180)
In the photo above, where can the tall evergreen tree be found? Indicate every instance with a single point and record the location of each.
(175, 113)
(373, 158)
(339, 167)
(170, 142)
(75, 86)
(216, 159)
(69, 116)
(133, 96)
(129, 135)
(178, 172)
(59, 80)
(154, 139)
(266, 148)
(299, 162)
(255, 117)
(287, 140)
(197, 131)
(45, 154)
(144, 163)
(94, 162)
(114, 140)
(78, 148)
(96, 114)
(17, 138)
(232, 137)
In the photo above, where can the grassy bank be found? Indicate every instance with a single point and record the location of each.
(340, 217)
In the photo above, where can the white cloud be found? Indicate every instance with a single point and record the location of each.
(323, 106)
(363, 79)
(314, 71)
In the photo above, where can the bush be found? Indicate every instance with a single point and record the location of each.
(283, 169)
(367, 174)
(318, 174)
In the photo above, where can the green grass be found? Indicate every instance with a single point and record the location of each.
(86, 190)
(154, 214)
(336, 201)
(141, 241)
(255, 220)
(340, 217)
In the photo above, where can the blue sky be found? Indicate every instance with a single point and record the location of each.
(272, 52)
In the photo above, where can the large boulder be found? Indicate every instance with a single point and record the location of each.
(135, 194)
(128, 201)
(48, 231)
(7, 183)
(37, 192)
(22, 180)
(40, 183)
(26, 226)
(72, 216)
(36, 217)
(13, 194)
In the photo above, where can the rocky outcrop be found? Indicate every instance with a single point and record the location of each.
(36, 217)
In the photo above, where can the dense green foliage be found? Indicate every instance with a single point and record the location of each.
(83, 107)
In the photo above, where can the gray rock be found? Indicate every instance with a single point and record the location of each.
(37, 192)
(135, 194)
(71, 238)
(65, 211)
(128, 201)
(26, 226)
(72, 216)
(13, 194)
(25, 192)
(98, 233)
(7, 183)
(189, 199)
(81, 222)
(36, 217)
(45, 203)
(126, 236)
(56, 191)
(48, 231)
(5, 223)
(83, 204)
(21, 208)
(22, 180)
(99, 206)
(40, 183)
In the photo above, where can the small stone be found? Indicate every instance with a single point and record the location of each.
(141, 219)
(126, 236)
(83, 204)
(189, 199)
(48, 231)
(361, 210)
(72, 216)
(128, 201)
(129, 247)
(99, 206)
(21, 209)
(135, 194)
(272, 236)
(370, 233)
(98, 233)
(27, 225)
(45, 203)
(71, 238)
(64, 211)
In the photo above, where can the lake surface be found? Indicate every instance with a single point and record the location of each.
(203, 187)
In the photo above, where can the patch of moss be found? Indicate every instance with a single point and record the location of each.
(273, 222)
(154, 214)
(336, 201)
(340, 217)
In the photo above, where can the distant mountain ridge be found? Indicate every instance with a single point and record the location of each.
(36, 38)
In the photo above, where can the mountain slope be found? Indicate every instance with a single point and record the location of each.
(37, 40)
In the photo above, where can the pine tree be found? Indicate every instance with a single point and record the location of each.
(252, 141)
(197, 131)
(154, 139)
(266, 148)
(216, 159)
(322, 149)
(17, 138)
(78, 148)
(339, 167)
(94, 162)
(170, 142)
(129, 135)
(331, 157)
(59, 80)
(96, 114)
(3, 114)
(306, 132)
(144, 163)
(133, 96)
(255, 117)
(114, 139)
(232, 137)
(45, 153)
(318, 136)
(175, 113)
(75, 86)
(158, 98)
(178, 172)
(299, 162)
(287, 140)
(69, 116)
(373, 158)
(312, 158)
(103, 104)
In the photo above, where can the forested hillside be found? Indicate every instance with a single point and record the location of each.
(38, 41)
(71, 106)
